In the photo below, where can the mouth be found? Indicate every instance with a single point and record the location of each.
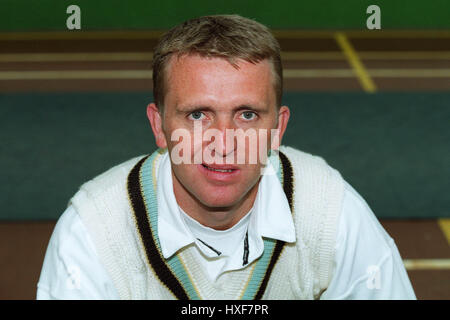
(219, 173)
(215, 169)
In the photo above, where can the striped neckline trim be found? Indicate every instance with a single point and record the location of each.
(172, 272)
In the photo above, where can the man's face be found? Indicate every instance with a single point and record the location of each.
(212, 94)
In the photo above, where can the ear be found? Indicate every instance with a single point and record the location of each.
(155, 119)
(283, 118)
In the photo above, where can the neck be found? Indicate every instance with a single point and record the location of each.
(219, 218)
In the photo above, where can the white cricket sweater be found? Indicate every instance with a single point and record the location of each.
(302, 269)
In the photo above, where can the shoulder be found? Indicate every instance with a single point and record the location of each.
(71, 268)
(70, 239)
(365, 256)
(318, 192)
(299, 155)
(113, 176)
(69, 233)
(359, 228)
(309, 165)
(116, 177)
(361, 241)
(104, 197)
(356, 213)
(315, 183)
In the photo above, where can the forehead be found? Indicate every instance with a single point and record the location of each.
(192, 79)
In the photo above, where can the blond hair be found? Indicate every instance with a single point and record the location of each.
(231, 37)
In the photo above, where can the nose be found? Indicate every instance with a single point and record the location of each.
(221, 138)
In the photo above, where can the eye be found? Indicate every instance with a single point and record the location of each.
(196, 115)
(248, 115)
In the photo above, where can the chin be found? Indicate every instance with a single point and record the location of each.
(219, 199)
(215, 194)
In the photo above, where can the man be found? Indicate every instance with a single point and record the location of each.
(200, 218)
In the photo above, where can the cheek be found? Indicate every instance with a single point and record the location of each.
(187, 176)
(259, 146)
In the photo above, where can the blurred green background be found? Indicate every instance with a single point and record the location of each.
(393, 148)
(31, 15)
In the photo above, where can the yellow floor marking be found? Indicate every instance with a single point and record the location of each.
(409, 73)
(147, 74)
(312, 55)
(285, 55)
(75, 74)
(318, 73)
(79, 56)
(404, 55)
(427, 264)
(367, 55)
(363, 76)
(140, 56)
(374, 73)
(445, 227)
(288, 74)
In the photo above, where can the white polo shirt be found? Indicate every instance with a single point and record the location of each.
(367, 262)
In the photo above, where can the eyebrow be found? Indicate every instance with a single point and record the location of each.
(193, 108)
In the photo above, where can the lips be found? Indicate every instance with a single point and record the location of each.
(219, 173)
(219, 168)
